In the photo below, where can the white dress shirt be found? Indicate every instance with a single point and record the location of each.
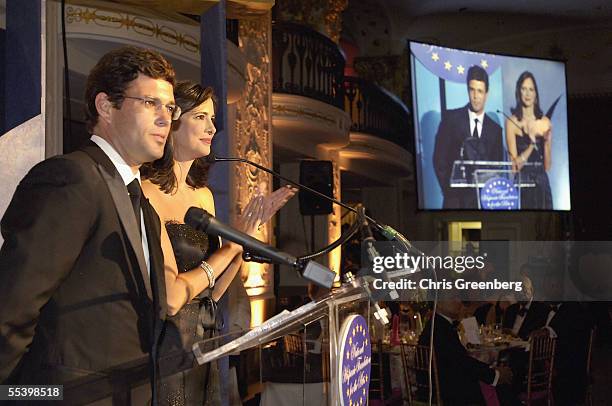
(127, 176)
(480, 118)
(518, 322)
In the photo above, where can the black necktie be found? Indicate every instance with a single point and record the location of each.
(135, 193)
(475, 133)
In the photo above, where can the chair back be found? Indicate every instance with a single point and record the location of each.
(293, 346)
(377, 377)
(415, 363)
(541, 363)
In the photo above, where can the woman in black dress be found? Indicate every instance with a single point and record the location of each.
(198, 269)
(529, 140)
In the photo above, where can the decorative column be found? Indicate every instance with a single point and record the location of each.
(252, 140)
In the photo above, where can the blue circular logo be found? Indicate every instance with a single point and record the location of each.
(354, 359)
(499, 194)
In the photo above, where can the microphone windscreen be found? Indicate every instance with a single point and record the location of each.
(197, 218)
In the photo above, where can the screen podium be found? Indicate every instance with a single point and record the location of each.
(496, 185)
(297, 351)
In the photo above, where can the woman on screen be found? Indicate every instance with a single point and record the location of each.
(529, 139)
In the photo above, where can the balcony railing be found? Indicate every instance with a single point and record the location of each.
(375, 111)
(306, 63)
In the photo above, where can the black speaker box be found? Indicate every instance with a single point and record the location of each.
(318, 175)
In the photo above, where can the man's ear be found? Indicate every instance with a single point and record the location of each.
(103, 106)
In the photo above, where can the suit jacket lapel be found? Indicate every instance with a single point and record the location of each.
(465, 124)
(120, 197)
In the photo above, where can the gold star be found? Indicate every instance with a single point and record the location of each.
(348, 393)
(460, 69)
(363, 391)
(361, 401)
(484, 63)
(351, 341)
(348, 355)
(435, 56)
(447, 65)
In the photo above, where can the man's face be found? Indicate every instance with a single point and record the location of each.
(138, 130)
(478, 95)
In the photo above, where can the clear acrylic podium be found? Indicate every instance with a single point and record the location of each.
(296, 352)
(478, 175)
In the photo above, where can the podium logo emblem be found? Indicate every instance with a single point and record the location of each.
(354, 361)
(499, 194)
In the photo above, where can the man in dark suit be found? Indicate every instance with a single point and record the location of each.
(525, 316)
(459, 373)
(81, 267)
(466, 133)
(571, 325)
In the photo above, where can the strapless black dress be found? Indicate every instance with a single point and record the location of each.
(540, 196)
(183, 381)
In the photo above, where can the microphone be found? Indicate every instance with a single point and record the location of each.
(535, 146)
(368, 239)
(387, 231)
(201, 220)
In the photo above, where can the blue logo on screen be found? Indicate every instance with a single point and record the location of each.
(499, 194)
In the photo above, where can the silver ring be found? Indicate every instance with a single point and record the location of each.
(249, 215)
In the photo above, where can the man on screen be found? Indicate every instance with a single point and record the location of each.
(466, 133)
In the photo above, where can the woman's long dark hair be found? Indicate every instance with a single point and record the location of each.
(188, 95)
(518, 110)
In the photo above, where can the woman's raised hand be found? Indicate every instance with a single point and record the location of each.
(251, 216)
(275, 200)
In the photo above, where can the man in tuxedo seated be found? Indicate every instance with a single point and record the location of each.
(571, 325)
(459, 374)
(81, 267)
(525, 316)
(466, 133)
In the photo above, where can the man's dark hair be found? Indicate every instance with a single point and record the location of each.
(188, 95)
(115, 70)
(477, 73)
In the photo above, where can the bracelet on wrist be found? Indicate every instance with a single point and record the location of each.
(210, 274)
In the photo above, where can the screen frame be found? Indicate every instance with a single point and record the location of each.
(416, 165)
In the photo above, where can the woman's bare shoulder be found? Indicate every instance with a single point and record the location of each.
(205, 199)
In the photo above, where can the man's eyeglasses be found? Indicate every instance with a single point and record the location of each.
(154, 103)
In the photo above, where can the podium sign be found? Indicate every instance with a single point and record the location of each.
(496, 184)
(354, 361)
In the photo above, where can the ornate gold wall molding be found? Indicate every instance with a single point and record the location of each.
(324, 16)
(133, 24)
(333, 18)
(252, 136)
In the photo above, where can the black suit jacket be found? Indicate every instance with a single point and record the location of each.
(77, 299)
(459, 373)
(573, 325)
(453, 131)
(534, 319)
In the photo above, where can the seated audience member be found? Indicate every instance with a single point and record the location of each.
(527, 315)
(459, 374)
(492, 313)
(571, 325)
